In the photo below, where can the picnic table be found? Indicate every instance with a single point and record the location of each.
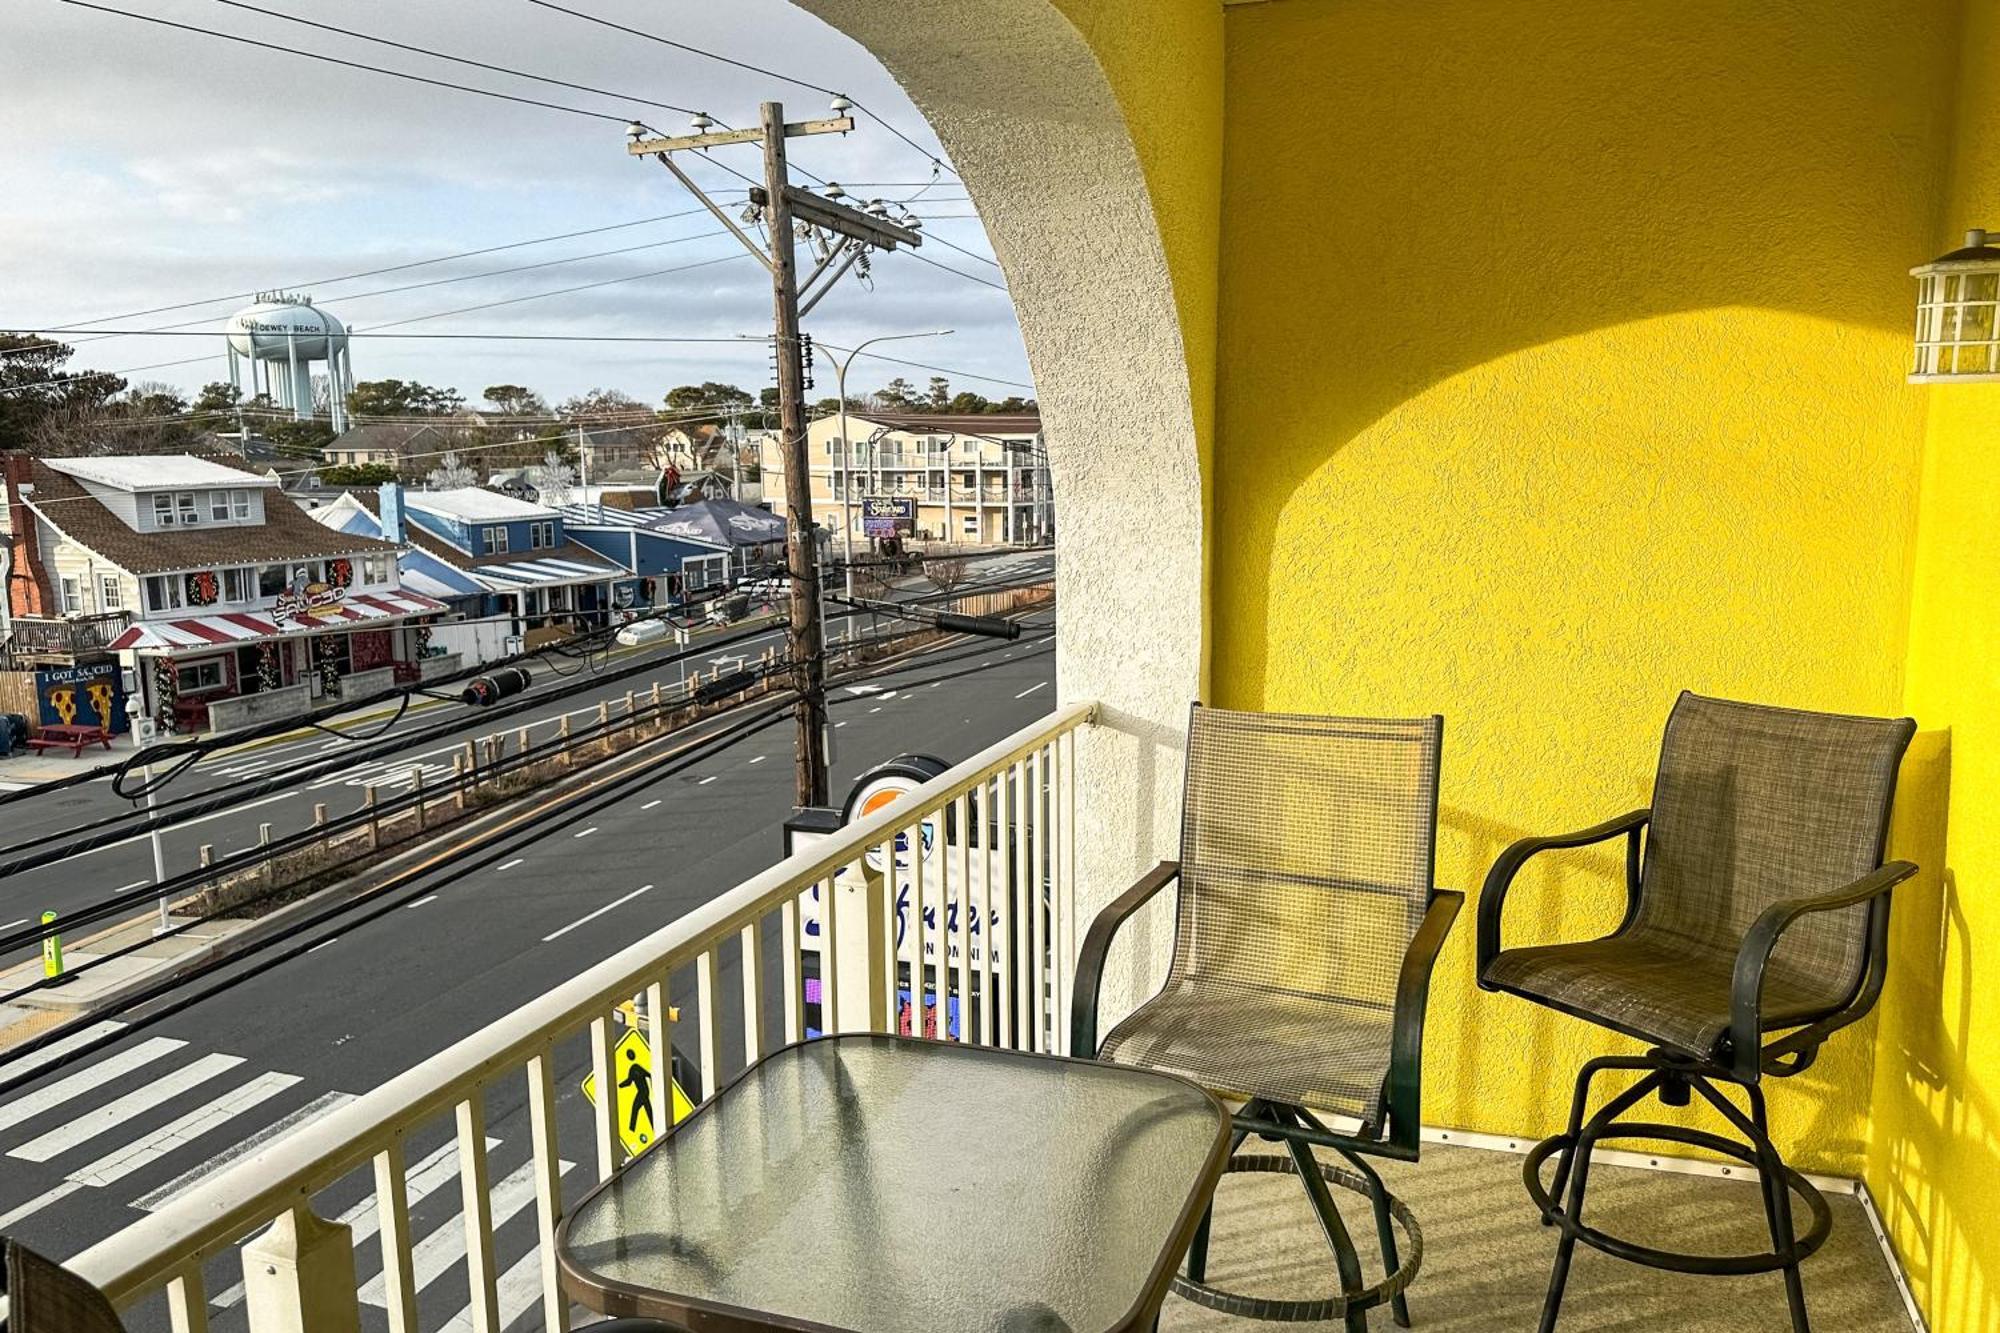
(73, 737)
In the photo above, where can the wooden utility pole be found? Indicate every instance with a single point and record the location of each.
(839, 234)
(805, 641)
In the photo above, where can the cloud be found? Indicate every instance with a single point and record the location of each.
(147, 167)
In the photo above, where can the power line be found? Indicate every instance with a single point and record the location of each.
(922, 365)
(348, 64)
(372, 272)
(956, 272)
(414, 319)
(969, 254)
(706, 54)
(456, 60)
(371, 333)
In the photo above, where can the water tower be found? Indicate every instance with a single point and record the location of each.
(278, 339)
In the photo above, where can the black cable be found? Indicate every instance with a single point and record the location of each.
(349, 64)
(955, 272)
(457, 60)
(369, 273)
(929, 156)
(615, 790)
(969, 254)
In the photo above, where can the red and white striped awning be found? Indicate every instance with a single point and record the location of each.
(246, 627)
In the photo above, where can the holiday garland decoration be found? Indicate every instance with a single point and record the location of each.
(267, 667)
(424, 640)
(340, 573)
(203, 588)
(166, 689)
(329, 670)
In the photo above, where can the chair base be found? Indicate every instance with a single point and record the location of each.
(1672, 1078)
(1349, 1306)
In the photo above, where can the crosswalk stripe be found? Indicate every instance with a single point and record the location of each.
(85, 1080)
(445, 1245)
(106, 1118)
(519, 1288)
(39, 1202)
(27, 1064)
(152, 1202)
(115, 1166)
(437, 1169)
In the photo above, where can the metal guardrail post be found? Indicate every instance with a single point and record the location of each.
(269, 869)
(298, 1277)
(374, 824)
(417, 786)
(458, 779)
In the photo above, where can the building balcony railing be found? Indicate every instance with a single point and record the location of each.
(65, 641)
(1022, 787)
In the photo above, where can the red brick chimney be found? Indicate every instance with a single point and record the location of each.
(29, 592)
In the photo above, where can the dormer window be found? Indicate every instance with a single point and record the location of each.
(163, 510)
(494, 540)
(541, 535)
(185, 507)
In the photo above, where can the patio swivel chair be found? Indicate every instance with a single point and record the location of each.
(1756, 924)
(1305, 932)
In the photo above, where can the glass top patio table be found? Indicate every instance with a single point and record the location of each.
(885, 1184)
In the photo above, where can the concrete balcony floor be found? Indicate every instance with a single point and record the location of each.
(1487, 1258)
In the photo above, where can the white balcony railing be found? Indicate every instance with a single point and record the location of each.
(1002, 824)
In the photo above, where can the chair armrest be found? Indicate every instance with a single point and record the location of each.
(1097, 949)
(1746, 1030)
(1413, 991)
(1493, 895)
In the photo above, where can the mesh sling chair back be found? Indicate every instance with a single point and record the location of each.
(1756, 924)
(1305, 930)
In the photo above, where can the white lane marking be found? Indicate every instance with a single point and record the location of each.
(705, 781)
(57, 1050)
(1031, 689)
(135, 884)
(875, 710)
(650, 804)
(438, 1168)
(121, 1162)
(241, 1148)
(427, 898)
(84, 1080)
(757, 758)
(39, 1202)
(11, 924)
(324, 944)
(190, 823)
(598, 913)
(936, 683)
(511, 864)
(840, 724)
(862, 689)
(584, 833)
(137, 1102)
(434, 1255)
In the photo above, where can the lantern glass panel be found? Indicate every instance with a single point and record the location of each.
(1982, 286)
(1975, 324)
(1951, 286)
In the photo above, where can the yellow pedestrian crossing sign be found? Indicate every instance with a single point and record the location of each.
(632, 1067)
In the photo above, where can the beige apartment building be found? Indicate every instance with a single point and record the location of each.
(977, 479)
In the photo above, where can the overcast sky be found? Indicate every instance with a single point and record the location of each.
(141, 167)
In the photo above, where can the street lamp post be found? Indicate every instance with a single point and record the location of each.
(847, 449)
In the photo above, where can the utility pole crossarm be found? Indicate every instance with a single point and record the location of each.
(837, 217)
(723, 138)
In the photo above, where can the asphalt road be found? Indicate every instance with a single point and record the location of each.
(126, 866)
(85, 1146)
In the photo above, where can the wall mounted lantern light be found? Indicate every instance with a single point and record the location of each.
(1958, 314)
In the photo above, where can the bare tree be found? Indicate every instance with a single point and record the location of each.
(451, 474)
(554, 479)
(947, 571)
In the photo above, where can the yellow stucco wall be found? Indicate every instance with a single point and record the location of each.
(1561, 367)
(1934, 1148)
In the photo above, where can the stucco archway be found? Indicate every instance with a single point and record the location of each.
(1035, 130)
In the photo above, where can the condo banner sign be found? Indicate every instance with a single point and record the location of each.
(887, 515)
